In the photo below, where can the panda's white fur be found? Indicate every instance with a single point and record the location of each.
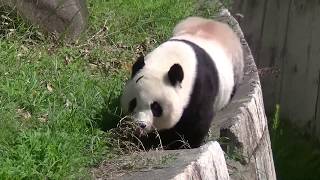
(151, 83)
(219, 33)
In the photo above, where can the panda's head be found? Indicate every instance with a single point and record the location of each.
(152, 96)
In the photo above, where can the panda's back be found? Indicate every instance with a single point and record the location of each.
(218, 33)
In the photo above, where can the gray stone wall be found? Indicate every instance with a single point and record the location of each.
(64, 18)
(244, 123)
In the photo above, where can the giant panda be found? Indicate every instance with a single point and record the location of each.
(177, 88)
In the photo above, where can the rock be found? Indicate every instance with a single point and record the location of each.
(209, 165)
(65, 18)
(206, 162)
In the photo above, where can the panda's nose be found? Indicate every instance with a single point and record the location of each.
(142, 125)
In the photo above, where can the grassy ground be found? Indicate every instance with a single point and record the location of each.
(296, 155)
(55, 98)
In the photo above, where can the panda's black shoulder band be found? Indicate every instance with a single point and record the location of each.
(204, 62)
(194, 46)
(183, 40)
(204, 93)
(197, 49)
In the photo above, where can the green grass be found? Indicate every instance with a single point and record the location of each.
(56, 98)
(48, 112)
(296, 155)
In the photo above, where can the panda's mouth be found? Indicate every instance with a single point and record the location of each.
(143, 131)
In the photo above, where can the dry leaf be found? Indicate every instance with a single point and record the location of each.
(43, 118)
(23, 114)
(67, 60)
(24, 48)
(93, 66)
(49, 87)
(68, 103)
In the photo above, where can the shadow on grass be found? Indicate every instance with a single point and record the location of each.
(109, 115)
(296, 155)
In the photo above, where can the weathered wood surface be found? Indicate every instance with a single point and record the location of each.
(272, 47)
(254, 20)
(287, 37)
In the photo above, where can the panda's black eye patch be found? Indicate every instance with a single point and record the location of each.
(156, 109)
(132, 104)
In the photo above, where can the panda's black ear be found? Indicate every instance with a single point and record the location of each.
(175, 74)
(139, 64)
